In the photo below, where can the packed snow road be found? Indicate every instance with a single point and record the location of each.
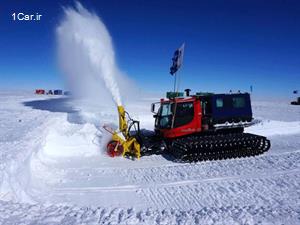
(54, 170)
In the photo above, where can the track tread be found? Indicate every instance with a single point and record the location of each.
(222, 146)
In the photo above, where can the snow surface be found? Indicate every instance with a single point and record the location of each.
(54, 170)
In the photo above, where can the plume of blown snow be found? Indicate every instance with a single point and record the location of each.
(87, 58)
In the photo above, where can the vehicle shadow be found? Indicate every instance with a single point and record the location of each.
(52, 105)
(62, 105)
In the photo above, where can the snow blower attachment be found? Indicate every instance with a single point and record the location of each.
(204, 126)
(122, 142)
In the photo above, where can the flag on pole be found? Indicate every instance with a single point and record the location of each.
(177, 59)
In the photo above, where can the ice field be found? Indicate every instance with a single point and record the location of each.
(54, 170)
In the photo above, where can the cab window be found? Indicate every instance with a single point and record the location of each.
(164, 119)
(219, 103)
(166, 110)
(184, 113)
(238, 102)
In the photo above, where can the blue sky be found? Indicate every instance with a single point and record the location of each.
(229, 44)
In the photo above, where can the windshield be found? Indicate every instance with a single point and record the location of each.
(164, 118)
(166, 110)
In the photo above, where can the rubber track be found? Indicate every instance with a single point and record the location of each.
(222, 146)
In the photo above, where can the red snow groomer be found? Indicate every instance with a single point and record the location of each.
(203, 126)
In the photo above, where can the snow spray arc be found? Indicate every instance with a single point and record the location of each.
(86, 54)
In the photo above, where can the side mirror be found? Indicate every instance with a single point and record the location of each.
(153, 107)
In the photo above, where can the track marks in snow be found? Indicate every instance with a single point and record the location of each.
(186, 186)
(265, 165)
(249, 167)
(173, 184)
(11, 213)
(272, 192)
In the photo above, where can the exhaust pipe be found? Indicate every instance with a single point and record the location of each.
(187, 92)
